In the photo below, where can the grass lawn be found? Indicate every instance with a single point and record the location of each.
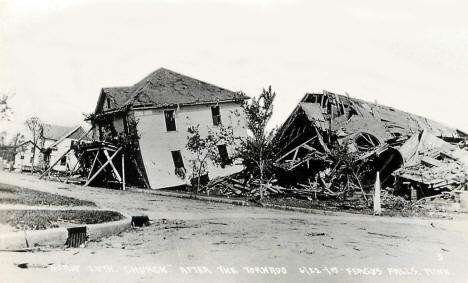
(18, 195)
(352, 206)
(44, 219)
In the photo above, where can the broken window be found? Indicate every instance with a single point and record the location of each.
(169, 115)
(108, 103)
(177, 158)
(63, 161)
(223, 153)
(178, 163)
(216, 115)
(366, 141)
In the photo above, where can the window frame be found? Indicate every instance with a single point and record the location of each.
(216, 118)
(226, 160)
(173, 153)
(166, 120)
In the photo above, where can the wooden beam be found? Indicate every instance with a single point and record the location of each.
(308, 147)
(92, 166)
(295, 153)
(322, 143)
(55, 163)
(123, 172)
(112, 165)
(102, 168)
(74, 168)
(292, 150)
(142, 174)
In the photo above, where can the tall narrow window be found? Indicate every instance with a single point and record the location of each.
(223, 153)
(216, 115)
(177, 158)
(108, 103)
(169, 115)
(178, 163)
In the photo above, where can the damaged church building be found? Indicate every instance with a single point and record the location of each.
(414, 156)
(141, 131)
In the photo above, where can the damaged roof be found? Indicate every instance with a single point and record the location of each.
(164, 88)
(345, 115)
(55, 132)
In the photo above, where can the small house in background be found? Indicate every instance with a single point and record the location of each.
(162, 107)
(56, 141)
(7, 156)
(24, 155)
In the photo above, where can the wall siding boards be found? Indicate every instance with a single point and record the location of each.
(156, 143)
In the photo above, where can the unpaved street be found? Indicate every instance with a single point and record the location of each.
(194, 241)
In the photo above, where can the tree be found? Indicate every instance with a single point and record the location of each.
(257, 150)
(205, 149)
(350, 171)
(5, 110)
(36, 128)
(18, 139)
(3, 136)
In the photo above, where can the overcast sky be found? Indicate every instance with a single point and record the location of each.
(56, 55)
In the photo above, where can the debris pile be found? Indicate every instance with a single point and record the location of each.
(332, 146)
(339, 143)
(235, 186)
(431, 166)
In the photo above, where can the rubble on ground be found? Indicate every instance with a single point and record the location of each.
(339, 143)
(431, 166)
(332, 146)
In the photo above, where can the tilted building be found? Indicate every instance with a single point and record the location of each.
(161, 107)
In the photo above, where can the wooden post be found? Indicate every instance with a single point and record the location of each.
(123, 172)
(377, 207)
(414, 194)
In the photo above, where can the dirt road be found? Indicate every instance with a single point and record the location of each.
(194, 241)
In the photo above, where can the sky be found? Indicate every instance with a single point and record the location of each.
(56, 55)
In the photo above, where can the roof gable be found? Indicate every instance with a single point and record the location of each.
(75, 133)
(163, 88)
(55, 132)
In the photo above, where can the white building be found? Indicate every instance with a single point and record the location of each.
(52, 143)
(56, 141)
(164, 105)
(24, 156)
